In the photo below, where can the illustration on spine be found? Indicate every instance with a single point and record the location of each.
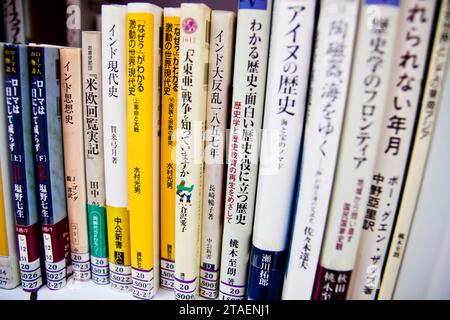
(192, 92)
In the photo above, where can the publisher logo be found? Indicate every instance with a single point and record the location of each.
(189, 25)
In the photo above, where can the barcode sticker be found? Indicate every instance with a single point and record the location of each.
(81, 266)
(231, 292)
(120, 277)
(143, 283)
(167, 273)
(185, 289)
(100, 270)
(209, 280)
(30, 274)
(55, 274)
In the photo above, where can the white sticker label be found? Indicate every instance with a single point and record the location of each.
(30, 274)
(81, 266)
(56, 274)
(209, 281)
(5, 271)
(23, 248)
(185, 289)
(143, 283)
(120, 277)
(231, 292)
(167, 273)
(100, 270)
(48, 248)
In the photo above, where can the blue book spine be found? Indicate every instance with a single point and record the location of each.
(20, 145)
(266, 274)
(48, 155)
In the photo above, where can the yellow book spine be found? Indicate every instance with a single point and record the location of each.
(169, 97)
(119, 247)
(143, 22)
(4, 252)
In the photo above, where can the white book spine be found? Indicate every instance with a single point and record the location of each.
(249, 81)
(115, 142)
(369, 86)
(192, 92)
(94, 156)
(410, 60)
(285, 104)
(431, 100)
(335, 38)
(219, 91)
(9, 267)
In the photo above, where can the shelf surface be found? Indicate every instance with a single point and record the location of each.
(79, 290)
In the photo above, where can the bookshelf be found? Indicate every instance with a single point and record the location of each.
(427, 257)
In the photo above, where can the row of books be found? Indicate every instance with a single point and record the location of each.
(27, 21)
(139, 159)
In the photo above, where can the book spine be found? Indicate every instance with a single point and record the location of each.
(94, 156)
(286, 93)
(169, 105)
(429, 108)
(43, 64)
(9, 271)
(143, 27)
(13, 20)
(72, 113)
(19, 133)
(115, 144)
(410, 60)
(74, 10)
(9, 267)
(362, 126)
(330, 80)
(219, 94)
(192, 93)
(250, 62)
